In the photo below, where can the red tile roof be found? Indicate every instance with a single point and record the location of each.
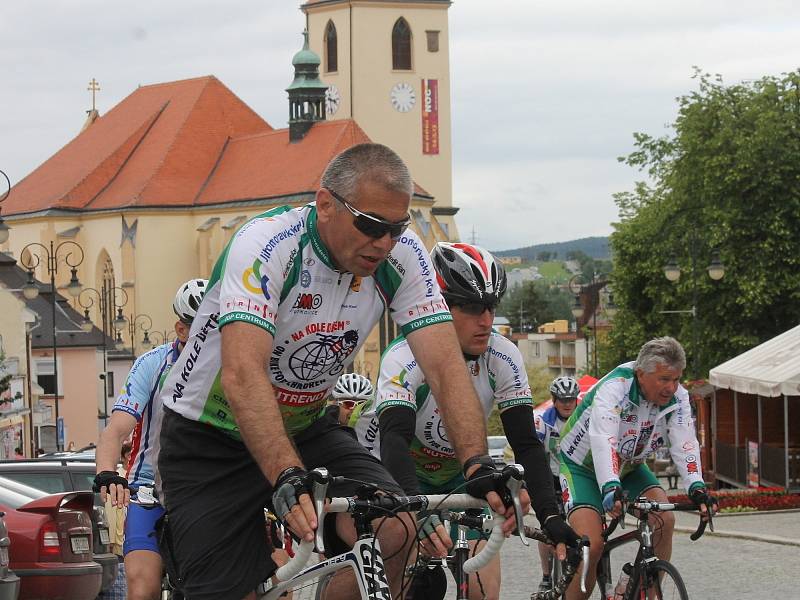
(183, 143)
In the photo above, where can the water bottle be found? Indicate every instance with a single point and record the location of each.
(622, 583)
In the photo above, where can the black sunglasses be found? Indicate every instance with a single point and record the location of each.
(373, 226)
(475, 309)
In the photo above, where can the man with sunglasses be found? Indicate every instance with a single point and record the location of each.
(564, 392)
(415, 443)
(350, 394)
(293, 297)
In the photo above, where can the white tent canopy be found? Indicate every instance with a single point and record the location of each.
(770, 369)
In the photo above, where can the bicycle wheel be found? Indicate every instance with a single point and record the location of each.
(660, 580)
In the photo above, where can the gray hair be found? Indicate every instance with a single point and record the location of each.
(367, 162)
(666, 351)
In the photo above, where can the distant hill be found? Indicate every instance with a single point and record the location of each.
(596, 247)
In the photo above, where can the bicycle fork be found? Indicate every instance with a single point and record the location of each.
(460, 556)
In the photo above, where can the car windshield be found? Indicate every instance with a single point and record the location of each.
(497, 442)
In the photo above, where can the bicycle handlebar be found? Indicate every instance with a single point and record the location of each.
(376, 506)
(646, 505)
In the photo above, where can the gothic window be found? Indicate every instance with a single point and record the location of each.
(401, 45)
(331, 48)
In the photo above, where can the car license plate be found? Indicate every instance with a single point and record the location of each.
(80, 544)
(104, 539)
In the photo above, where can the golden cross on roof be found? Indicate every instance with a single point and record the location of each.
(94, 86)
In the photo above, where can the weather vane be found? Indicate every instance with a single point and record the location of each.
(94, 87)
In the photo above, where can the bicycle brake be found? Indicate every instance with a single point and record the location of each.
(514, 484)
(319, 491)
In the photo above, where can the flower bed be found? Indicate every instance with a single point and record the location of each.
(750, 499)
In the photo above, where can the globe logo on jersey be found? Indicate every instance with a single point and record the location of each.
(326, 354)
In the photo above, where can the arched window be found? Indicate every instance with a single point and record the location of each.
(331, 48)
(401, 45)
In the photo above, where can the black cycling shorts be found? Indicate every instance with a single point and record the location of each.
(215, 496)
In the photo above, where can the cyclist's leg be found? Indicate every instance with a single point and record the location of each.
(546, 555)
(489, 586)
(143, 567)
(642, 482)
(584, 508)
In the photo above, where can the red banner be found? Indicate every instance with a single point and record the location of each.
(430, 116)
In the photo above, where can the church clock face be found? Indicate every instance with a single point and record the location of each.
(332, 99)
(403, 97)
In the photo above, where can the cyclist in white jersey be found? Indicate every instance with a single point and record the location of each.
(414, 442)
(290, 301)
(564, 392)
(627, 416)
(137, 411)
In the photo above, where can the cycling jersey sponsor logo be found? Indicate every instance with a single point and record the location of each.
(429, 308)
(576, 440)
(691, 467)
(311, 328)
(298, 398)
(398, 266)
(687, 446)
(275, 240)
(327, 354)
(191, 354)
(400, 379)
(422, 258)
(290, 262)
(355, 284)
(475, 368)
(305, 278)
(614, 462)
(432, 320)
(250, 306)
(309, 262)
(432, 466)
(307, 303)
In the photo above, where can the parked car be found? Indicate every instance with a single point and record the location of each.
(51, 545)
(67, 473)
(9, 581)
(496, 445)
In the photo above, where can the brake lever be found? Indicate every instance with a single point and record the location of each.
(514, 484)
(585, 559)
(319, 491)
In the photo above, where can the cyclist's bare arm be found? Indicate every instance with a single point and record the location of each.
(438, 353)
(107, 454)
(246, 350)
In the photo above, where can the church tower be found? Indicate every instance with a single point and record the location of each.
(306, 93)
(387, 65)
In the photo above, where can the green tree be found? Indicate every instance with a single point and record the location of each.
(728, 178)
(545, 256)
(539, 303)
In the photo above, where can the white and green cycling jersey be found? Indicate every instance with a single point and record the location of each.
(615, 428)
(498, 376)
(277, 274)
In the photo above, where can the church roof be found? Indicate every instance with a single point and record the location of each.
(180, 144)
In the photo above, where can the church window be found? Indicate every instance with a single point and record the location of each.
(331, 48)
(401, 45)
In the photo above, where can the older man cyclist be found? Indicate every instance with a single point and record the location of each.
(627, 416)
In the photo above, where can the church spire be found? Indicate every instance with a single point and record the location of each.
(93, 113)
(306, 93)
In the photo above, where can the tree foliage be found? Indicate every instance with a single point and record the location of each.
(539, 303)
(728, 178)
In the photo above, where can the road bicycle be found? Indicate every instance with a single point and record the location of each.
(648, 576)
(365, 557)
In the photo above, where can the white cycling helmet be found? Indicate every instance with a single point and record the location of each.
(188, 298)
(353, 386)
(565, 387)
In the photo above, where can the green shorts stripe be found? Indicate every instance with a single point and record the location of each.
(579, 485)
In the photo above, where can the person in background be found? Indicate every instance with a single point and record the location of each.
(115, 517)
(351, 392)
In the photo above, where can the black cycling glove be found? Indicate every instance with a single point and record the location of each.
(104, 479)
(700, 496)
(560, 532)
(290, 485)
(485, 479)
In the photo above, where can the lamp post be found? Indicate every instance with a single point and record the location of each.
(586, 304)
(3, 226)
(30, 290)
(133, 323)
(156, 338)
(716, 271)
(107, 303)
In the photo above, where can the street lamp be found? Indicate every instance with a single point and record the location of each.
(30, 290)
(716, 271)
(156, 338)
(107, 302)
(133, 323)
(587, 302)
(3, 226)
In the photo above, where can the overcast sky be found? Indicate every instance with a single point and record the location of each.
(546, 94)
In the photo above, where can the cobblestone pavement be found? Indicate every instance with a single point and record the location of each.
(713, 567)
